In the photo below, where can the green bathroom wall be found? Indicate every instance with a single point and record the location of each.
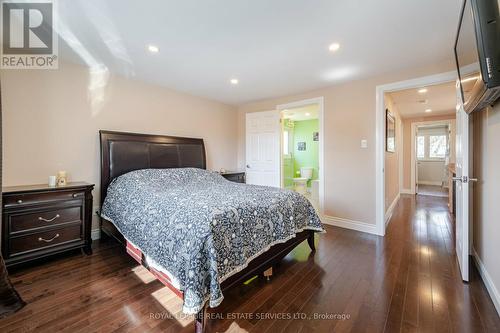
(303, 132)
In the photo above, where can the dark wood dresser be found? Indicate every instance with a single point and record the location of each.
(39, 221)
(234, 176)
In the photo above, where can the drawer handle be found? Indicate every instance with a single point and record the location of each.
(40, 239)
(19, 201)
(48, 220)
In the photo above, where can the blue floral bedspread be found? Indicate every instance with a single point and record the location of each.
(199, 228)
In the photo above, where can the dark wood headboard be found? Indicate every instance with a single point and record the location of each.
(123, 152)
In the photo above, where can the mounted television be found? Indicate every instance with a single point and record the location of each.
(477, 53)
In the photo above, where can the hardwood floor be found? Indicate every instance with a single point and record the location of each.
(407, 281)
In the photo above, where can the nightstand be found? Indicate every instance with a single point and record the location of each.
(39, 221)
(234, 176)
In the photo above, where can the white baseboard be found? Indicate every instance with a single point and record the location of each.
(95, 234)
(407, 191)
(349, 224)
(390, 210)
(425, 182)
(488, 282)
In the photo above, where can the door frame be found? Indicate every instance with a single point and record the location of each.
(300, 103)
(414, 126)
(380, 90)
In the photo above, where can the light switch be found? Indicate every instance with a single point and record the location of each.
(364, 143)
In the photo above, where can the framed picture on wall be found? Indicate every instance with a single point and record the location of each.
(390, 132)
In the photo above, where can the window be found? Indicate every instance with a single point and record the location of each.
(432, 144)
(286, 144)
(420, 147)
(437, 146)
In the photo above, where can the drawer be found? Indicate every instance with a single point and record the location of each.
(41, 240)
(33, 220)
(26, 199)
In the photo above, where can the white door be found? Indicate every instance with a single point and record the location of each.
(263, 130)
(462, 189)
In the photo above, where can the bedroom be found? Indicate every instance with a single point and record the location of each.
(195, 71)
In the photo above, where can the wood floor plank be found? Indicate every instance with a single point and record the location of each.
(407, 281)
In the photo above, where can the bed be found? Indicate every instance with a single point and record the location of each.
(197, 232)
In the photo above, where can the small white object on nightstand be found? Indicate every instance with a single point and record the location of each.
(52, 181)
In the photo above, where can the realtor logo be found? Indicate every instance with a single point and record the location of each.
(28, 37)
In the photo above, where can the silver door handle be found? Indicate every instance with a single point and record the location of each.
(465, 179)
(248, 166)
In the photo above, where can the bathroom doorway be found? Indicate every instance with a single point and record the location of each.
(301, 149)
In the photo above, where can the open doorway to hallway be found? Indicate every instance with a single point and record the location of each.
(422, 160)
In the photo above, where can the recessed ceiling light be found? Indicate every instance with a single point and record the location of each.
(307, 114)
(153, 49)
(234, 81)
(334, 47)
(422, 91)
(428, 110)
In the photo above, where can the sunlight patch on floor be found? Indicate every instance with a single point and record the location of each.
(235, 328)
(173, 304)
(143, 274)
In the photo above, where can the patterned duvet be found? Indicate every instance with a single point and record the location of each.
(199, 228)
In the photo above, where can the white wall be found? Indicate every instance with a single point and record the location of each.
(486, 194)
(431, 172)
(51, 120)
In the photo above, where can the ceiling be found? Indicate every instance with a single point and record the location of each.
(302, 113)
(441, 99)
(273, 48)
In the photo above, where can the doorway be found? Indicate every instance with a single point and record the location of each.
(415, 86)
(460, 171)
(302, 149)
(300, 153)
(433, 155)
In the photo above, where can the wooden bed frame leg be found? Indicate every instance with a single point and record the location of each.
(310, 241)
(200, 321)
(268, 273)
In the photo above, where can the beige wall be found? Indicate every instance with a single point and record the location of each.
(392, 159)
(349, 117)
(486, 193)
(407, 148)
(52, 118)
